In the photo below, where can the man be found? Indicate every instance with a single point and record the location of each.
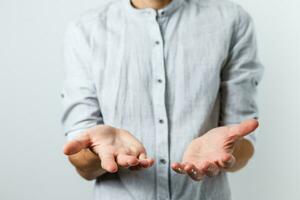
(170, 82)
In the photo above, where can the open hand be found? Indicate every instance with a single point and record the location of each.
(208, 154)
(115, 147)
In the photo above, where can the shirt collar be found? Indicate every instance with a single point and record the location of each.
(166, 11)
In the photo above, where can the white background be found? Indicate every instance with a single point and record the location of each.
(32, 166)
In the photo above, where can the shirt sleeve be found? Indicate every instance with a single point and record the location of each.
(80, 104)
(241, 75)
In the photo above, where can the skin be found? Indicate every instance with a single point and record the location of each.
(221, 148)
(105, 149)
(155, 4)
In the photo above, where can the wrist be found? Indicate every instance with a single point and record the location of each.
(242, 152)
(85, 160)
(90, 175)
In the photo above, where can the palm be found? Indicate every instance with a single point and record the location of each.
(115, 140)
(215, 146)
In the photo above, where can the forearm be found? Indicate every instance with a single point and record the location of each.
(87, 164)
(243, 152)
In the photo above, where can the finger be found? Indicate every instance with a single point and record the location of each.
(223, 159)
(193, 172)
(248, 126)
(212, 170)
(150, 162)
(122, 161)
(108, 162)
(132, 161)
(243, 129)
(202, 167)
(187, 167)
(135, 151)
(178, 168)
(228, 161)
(126, 160)
(144, 161)
(142, 156)
(143, 164)
(76, 145)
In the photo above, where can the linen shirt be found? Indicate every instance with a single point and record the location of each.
(167, 76)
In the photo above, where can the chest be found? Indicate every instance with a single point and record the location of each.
(182, 58)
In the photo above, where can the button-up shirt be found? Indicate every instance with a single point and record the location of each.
(167, 76)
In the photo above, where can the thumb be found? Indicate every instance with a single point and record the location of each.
(244, 128)
(77, 144)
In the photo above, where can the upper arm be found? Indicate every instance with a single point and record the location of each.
(241, 74)
(81, 108)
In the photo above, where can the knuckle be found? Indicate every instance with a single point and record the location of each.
(125, 151)
(141, 148)
(134, 151)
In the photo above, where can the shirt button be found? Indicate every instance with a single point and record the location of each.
(161, 121)
(62, 95)
(162, 12)
(159, 80)
(157, 42)
(162, 161)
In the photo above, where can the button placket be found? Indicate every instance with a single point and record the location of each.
(162, 130)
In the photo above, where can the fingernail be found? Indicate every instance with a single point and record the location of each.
(179, 170)
(193, 171)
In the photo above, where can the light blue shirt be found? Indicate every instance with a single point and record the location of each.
(166, 76)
